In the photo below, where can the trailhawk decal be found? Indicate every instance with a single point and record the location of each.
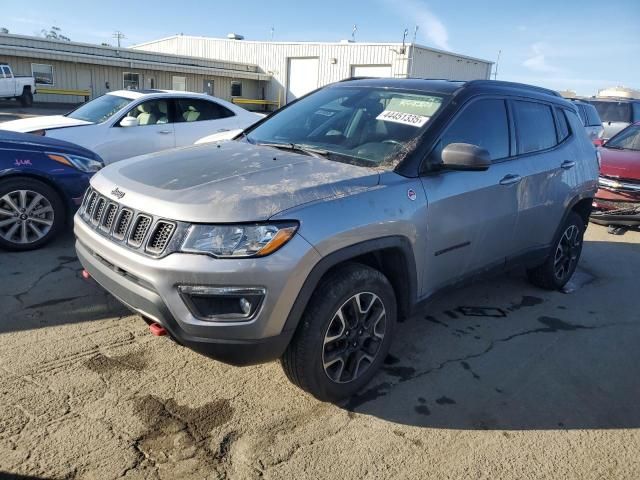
(403, 118)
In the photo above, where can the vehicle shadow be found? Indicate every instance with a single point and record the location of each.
(43, 288)
(505, 355)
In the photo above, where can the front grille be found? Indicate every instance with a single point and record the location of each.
(139, 230)
(160, 237)
(134, 229)
(122, 224)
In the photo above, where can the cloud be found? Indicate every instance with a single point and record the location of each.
(429, 24)
(537, 61)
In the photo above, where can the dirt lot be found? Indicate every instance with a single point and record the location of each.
(498, 380)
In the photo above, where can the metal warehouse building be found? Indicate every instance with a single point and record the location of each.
(299, 67)
(71, 71)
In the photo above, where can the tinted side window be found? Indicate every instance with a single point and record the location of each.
(152, 112)
(534, 126)
(593, 119)
(636, 111)
(483, 123)
(582, 113)
(563, 126)
(197, 110)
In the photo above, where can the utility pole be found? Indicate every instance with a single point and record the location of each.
(119, 36)
(495, 71)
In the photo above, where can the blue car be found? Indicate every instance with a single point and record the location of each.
(42, 181)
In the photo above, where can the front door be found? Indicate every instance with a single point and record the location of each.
(471, 215)
(154, 132)
(6, 83)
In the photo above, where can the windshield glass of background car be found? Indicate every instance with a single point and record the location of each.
(364, 126)
(100, 109)
(613, 111)
(628, 139)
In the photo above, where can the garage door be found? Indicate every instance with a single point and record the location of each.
(303, 77)
(381, 71)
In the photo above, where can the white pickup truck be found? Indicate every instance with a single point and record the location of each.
(20, 88)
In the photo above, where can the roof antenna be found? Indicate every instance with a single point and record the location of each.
(353, 32)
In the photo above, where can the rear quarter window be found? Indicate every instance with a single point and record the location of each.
(593, 119)
(535, 126)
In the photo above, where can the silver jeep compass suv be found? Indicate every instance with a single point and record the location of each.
(310, 234)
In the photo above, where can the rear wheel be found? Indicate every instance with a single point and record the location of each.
(31, 213)
(563, 258)
(26, 99)
(344, 334)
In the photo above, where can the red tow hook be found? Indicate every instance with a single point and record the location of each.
(157, 329)
(85, 274)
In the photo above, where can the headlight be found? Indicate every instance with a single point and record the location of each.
(238, 241)
(87, 165)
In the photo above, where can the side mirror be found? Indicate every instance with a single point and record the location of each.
(464, 156)
(599, 142)
(129, 122)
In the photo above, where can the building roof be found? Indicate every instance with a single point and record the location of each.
(340, 43)
(36, 47)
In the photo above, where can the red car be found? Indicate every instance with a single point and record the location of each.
(617, 202)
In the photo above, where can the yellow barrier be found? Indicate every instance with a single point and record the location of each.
(59, 91)
(254, 101)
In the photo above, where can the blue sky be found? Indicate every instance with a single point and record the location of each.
(583, 45)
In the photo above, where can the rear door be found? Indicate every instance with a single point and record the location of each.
(548, 159)
(471, 215)
(196, 118)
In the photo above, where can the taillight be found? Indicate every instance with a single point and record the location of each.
(599, 157)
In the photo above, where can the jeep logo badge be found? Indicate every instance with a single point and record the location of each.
(117, 193)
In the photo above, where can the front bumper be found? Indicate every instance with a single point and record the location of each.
(149, 286)
(612, 207)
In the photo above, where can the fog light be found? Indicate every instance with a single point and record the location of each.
(222, 303)
(245, 306)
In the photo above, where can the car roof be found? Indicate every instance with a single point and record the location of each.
(29, 141)
(136, 94)
(455, 87)
(612, 99)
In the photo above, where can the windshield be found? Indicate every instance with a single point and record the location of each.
(613, 111)
(628, 139)
(363, 126)
(100, 109)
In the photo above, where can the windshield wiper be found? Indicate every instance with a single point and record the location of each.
(293, 147)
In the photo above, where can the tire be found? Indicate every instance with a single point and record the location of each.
(47, 215)
(26, 99)
(563, 258)
(308, 361)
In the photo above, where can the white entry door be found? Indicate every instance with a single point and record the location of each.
(302, 78)
(378, 71)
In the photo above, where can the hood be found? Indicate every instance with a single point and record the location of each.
(613, 128)
(27, 125)
(228, 182)
(620, 163)
(220, 136)
(26, 141)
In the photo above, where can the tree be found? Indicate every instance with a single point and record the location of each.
(54, 33)
(4, 30)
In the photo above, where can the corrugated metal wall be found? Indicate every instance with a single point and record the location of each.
(67, 75)
(335, 59)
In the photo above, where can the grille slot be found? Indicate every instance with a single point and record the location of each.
(85, 200)
(108, 217)
(98, 210)
(122, 224)
(160, 237)
(139, 230)
(91, 204)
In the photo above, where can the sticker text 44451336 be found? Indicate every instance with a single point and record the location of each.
(403, 118)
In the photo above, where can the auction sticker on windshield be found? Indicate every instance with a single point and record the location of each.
(403, 118)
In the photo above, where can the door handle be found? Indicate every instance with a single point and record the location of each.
(164, 132)
(510, 179)
(567, 164)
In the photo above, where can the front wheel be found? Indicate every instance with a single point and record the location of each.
(31, 213)
(344, 334)
(563, 259)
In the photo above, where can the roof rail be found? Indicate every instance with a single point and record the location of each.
(515, 85)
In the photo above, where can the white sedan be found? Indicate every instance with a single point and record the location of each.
(127, 123)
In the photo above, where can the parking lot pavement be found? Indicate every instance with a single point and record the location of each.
(497, 380)
(11, 110)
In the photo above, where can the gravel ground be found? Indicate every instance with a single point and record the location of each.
(497, 380)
